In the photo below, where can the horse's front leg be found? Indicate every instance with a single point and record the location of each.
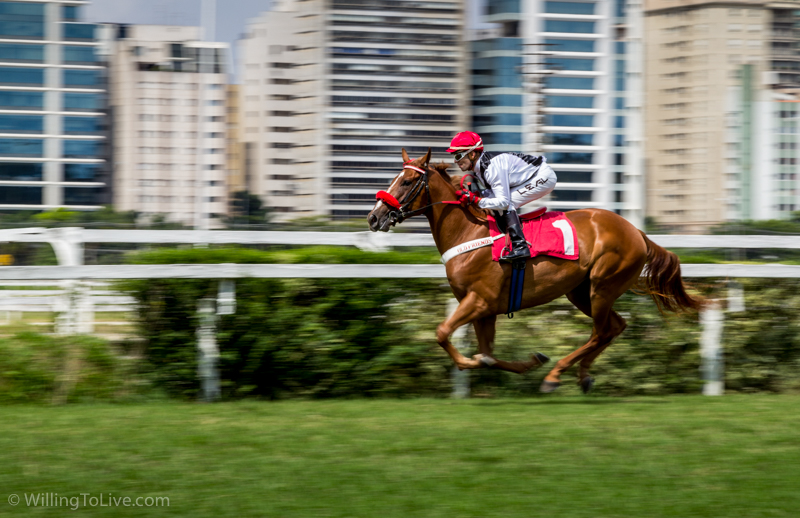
(485, 332)
(470, 308)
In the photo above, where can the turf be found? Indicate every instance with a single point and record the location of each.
(732, 456)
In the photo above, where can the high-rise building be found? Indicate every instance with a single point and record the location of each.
(52, 97)
(331, 92)
(722, 80)
(168, 99)
(236, 180)
(551, 80)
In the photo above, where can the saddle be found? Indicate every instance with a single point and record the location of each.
(547, 233)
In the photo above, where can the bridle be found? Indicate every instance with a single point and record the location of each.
(401, 207)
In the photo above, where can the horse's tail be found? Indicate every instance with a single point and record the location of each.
(663, 281)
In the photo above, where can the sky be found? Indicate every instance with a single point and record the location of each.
(231, 19)
(231, 15)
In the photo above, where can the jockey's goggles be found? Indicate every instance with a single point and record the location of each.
(458, 155)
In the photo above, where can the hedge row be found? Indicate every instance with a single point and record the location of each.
(356, 338)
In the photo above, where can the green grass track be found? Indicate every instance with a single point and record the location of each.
(731, 456)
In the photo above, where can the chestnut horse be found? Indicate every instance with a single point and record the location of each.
(613, 254)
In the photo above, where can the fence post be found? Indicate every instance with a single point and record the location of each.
(711, 319)
(460, 378)
(208, 351)
(75, 307)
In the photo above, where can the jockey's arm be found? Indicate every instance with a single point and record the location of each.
(496, 177)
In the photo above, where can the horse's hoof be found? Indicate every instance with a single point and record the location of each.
(586, 384)
(541, 358)
(549, 386)
(487, 361)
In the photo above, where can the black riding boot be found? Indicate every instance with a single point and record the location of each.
(519, 247)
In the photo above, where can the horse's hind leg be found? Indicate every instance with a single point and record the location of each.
(485, 332)
(582, 299)
(585, 380)
(596, 302)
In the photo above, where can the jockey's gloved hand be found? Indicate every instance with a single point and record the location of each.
(467, 197)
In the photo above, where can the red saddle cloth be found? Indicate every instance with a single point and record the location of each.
(548, 233)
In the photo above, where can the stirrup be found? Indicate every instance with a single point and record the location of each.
(517, 254)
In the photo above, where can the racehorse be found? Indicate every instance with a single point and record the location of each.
(613, 254)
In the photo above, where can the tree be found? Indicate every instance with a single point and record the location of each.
(247, 210)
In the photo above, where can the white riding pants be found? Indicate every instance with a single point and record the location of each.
(539, 186)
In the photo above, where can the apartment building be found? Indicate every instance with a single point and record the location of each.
(52, 118)
(332, 91)
(721, 88)
(168, 98)
(236, 180)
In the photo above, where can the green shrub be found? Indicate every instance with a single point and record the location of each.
(42, 368)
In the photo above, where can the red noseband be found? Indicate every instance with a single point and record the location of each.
(388, 199)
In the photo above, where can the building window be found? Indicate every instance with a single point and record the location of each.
(569, 101)
(78, 31)
(21, 100)
(569, 139)
(81, 77)
(82, 125)
(21, 147)
(568, 195)
(570, 158)
(570, 45)
(70, 13)
(21, 52)
(568, 26)
(21, 76)
(570, 83)
(81, 148)
(21, 195)
(20, 172)
(22, 20)
(82, 195)
(569, 8)
(570, 64)
(21, 124)
(81, 172)
(569, 120)
(81, 102)
(74, 54)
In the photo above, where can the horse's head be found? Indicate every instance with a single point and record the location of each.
(408, 192)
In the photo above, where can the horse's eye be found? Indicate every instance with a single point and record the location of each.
(407, 182)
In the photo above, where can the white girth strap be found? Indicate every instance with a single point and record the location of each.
(469, 246)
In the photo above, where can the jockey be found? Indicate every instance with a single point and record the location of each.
(512, 180)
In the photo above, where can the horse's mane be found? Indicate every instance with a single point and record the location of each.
(441, 168)
(455, 182)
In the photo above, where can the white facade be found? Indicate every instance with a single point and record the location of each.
(168, 97)
(282, 108)
(333, 90)
(775, 183)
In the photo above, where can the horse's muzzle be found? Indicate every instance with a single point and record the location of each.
(381, 220)
(372, 219)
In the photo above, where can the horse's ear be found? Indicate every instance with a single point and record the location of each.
(427, 157)
(405, 156)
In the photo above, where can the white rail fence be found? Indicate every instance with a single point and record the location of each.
(80, 294)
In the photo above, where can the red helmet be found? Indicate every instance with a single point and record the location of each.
(465, 142)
